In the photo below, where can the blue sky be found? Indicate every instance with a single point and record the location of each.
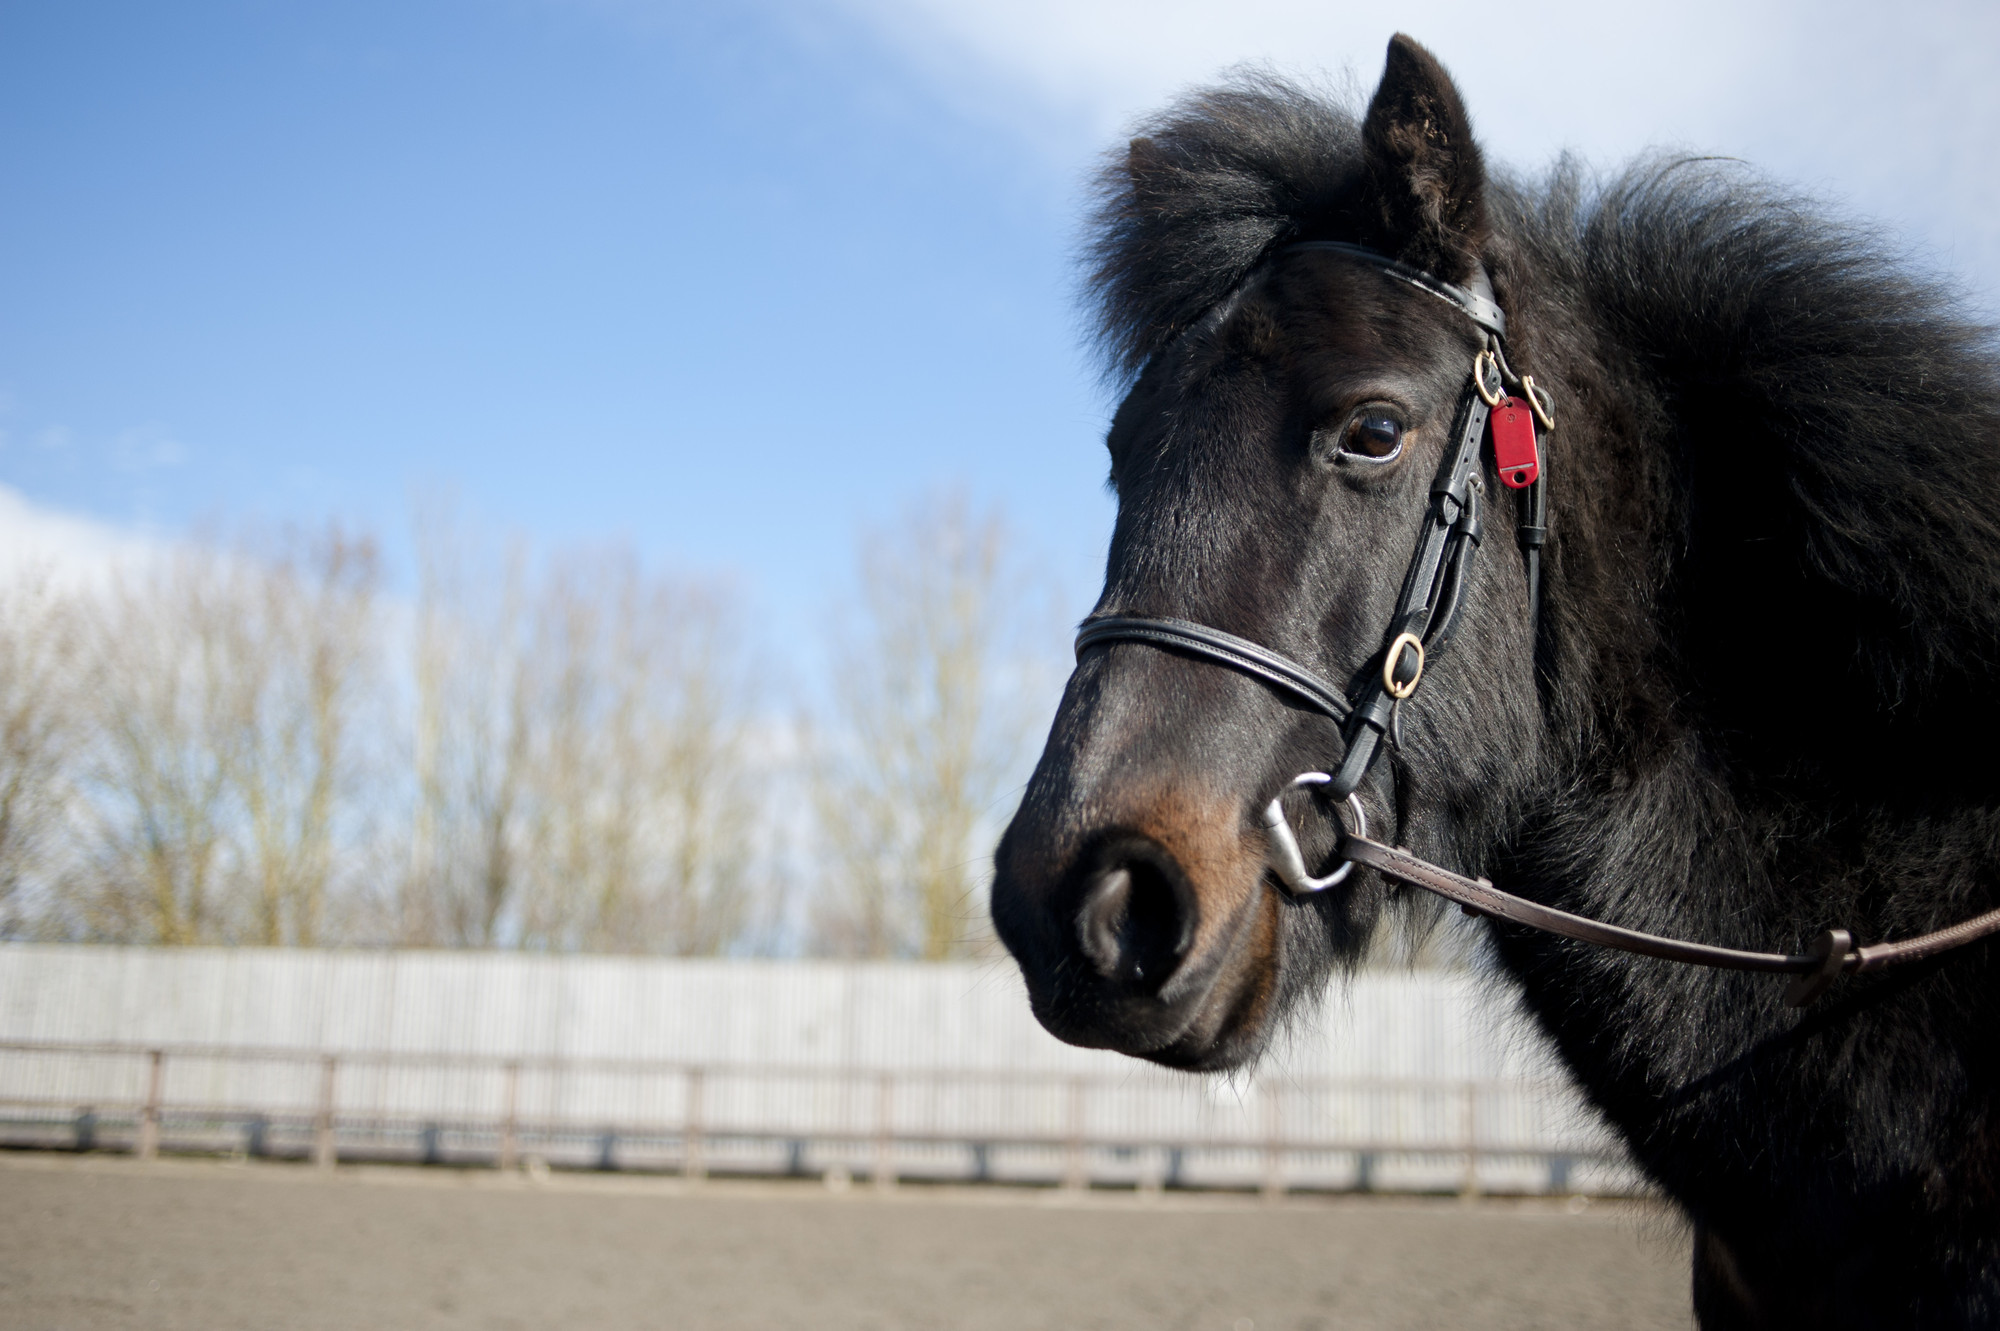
(727, 280)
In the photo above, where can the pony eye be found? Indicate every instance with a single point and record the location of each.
(1374, 435)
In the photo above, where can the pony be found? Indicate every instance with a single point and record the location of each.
(1757, 696)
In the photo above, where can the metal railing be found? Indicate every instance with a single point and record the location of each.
(1148, 1129)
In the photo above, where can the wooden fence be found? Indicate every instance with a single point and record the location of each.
(1411, 1081)
(887, 1125)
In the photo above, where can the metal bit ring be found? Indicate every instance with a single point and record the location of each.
(1282, 848)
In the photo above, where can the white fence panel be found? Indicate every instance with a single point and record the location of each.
(1407, 1079)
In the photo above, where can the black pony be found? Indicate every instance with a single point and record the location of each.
(1762, 697)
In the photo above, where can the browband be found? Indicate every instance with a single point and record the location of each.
(1477, 304)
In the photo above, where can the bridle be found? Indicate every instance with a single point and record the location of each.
(1427, 611)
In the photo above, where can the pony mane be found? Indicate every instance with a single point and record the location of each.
(1799, 363)
(1786, 354)
(1203, 193)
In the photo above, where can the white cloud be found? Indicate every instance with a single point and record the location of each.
(1100, 64)
(1890, 110)
(68, 549)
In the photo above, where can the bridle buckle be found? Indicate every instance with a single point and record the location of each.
(1400, 689)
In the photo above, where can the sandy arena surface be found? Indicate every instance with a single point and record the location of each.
(110, 1242)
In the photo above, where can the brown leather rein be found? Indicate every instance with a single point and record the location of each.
(1830, 955)
(1426, 612)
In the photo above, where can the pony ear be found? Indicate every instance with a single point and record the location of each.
(1427, 182)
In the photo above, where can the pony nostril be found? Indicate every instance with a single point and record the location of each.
(1102, 919)
(1132, 926)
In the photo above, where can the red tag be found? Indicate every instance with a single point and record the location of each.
(1514, 455)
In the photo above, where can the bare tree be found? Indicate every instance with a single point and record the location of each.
(582, 759)
(38, 700)
(303, 644)
(222, 690)
(643, 786)
(583, 780)
(933, 693)
(471, 745)
(695, 747)
(162, 681)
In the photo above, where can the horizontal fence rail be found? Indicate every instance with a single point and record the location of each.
(1399, 1081)
(1141, 1128)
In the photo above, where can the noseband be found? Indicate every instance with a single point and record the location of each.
(1427, 611)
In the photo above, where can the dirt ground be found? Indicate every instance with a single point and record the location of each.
(110, 1242)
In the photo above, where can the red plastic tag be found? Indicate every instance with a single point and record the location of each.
(1513, 425)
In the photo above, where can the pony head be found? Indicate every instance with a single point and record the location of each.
(1287, 411)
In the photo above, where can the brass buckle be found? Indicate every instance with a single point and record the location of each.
(1492, 397)
(1394, 655)
(1538, 399)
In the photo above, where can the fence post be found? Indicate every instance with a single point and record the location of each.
(324, 1153)
(885, 1129)
(1074, 1175)
(694, 1157)
(1274, 1146)
(510, 1139)
(149, 1117)
(1153, 1169)
(1470, 1187)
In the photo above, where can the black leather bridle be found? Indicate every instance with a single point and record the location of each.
(1427, 611)
(1433, 591)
